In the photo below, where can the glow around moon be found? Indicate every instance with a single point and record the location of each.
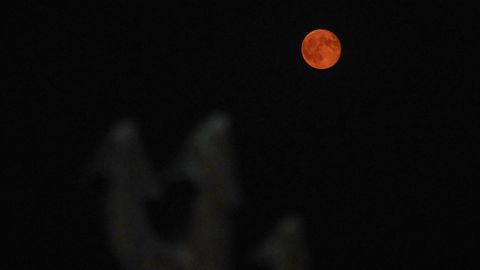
(321, 49)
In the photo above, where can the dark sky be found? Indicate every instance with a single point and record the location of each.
(376, 153)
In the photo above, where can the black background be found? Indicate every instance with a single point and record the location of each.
(377, 153)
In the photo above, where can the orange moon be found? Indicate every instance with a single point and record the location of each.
(321, 49)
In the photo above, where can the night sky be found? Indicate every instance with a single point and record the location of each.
(376, 154)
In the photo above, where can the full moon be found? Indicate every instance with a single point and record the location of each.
(321, 49)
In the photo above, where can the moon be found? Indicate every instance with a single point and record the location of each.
(321, 49)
